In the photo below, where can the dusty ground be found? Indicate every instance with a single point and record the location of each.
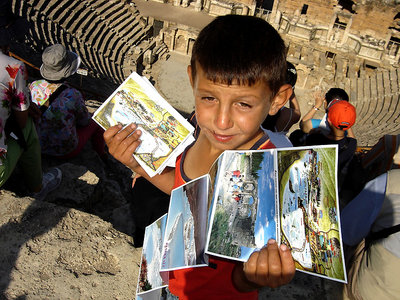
(51, 252)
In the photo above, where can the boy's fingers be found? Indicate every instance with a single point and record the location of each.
(250, 267)
(111, 132)
(126, 132)
(274, 264)
(127, 146)
(271, 266)
(132, 142)
(288, 267)
(114, 136)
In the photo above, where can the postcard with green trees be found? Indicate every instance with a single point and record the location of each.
(165, 133)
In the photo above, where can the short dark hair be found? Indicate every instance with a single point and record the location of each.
(242, 48)
(336, 94)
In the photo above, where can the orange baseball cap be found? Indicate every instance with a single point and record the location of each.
(342, 115)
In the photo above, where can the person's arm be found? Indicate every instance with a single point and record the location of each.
(81, 112)
(289, 116)
(272, 266)
(123, 143)
(21, 117)
(20, 102)
(305, 123)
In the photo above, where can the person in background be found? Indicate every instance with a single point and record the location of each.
(370, 230)
(65, 125)
(19, 143)
(308, 122)
(286, 117)
(341, 117)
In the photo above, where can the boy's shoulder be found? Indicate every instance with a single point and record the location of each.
(279, 139)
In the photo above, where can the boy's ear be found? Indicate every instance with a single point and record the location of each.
(189, 71)
(280, 99)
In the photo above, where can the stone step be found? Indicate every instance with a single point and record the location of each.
(102, 32)
(394, 80)
(352, 88)
(364, 107)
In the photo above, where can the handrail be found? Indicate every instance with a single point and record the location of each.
(23, 60)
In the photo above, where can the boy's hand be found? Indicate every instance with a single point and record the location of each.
(272, 266)
(123, 143)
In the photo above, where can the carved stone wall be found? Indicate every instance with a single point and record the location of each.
(179, 38)
(369, 30)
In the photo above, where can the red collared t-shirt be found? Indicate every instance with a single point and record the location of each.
(214, 281)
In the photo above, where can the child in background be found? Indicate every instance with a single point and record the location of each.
(65, 125)
(237, 72)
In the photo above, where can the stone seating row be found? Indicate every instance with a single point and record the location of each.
(377, 100)
(103, 32)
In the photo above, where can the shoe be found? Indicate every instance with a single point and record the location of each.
(51, 180)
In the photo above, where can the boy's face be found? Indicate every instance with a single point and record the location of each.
(230, 115)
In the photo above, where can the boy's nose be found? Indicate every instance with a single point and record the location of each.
(223, 119)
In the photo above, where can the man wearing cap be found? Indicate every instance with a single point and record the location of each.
(308, 122)
(341, 117)
(18, 138)
(65, 125)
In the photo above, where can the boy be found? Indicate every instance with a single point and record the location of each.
(237, 72)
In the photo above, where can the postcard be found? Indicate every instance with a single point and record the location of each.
(186, 229)
(289, 195)
(150, 282)
(165, 133)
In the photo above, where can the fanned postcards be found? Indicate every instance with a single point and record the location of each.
(151, 284)
(165, 132)
(248, 197)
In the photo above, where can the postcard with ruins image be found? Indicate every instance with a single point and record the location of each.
(244, 213)
(286, 194)
(186, 229)
(165, 133)
(151, 284)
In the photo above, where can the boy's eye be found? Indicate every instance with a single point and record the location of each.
(208, 98)
(244, 105)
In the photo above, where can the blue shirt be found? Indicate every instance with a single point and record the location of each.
(358, 216)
